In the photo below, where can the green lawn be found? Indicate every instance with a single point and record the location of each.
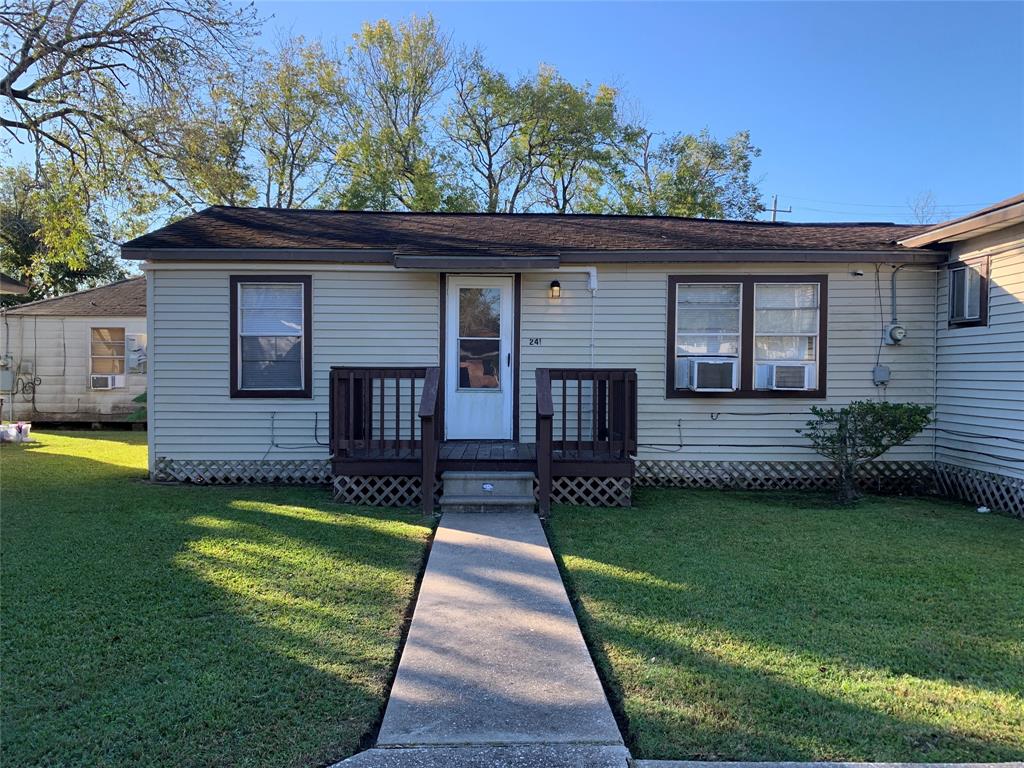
(188, 626)
(771, 626)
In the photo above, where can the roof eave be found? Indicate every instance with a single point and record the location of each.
(666, 256)
(963, 229)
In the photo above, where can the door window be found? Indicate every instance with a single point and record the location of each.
(479, 338)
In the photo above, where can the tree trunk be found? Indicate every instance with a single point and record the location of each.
(847, 492)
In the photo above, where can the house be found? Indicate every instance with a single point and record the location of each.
(8, 285)
(380, 350)
(75, 358)
(979, 382)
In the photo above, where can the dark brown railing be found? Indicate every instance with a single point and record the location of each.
(583, 414)
(376, 414)
(430, 428)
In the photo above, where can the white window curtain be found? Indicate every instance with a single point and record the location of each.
(270, 331)
(786, 318)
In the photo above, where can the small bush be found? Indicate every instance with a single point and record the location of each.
(860, 432)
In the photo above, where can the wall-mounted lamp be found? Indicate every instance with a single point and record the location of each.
(556, 290)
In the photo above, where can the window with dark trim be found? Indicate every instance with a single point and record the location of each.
(968, 293)
(271, 333)
(746, 336)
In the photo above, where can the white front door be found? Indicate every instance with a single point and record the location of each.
(478, 358)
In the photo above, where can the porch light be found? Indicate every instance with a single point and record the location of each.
(556, 290)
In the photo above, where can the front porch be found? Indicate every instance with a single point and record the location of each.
(388, 447)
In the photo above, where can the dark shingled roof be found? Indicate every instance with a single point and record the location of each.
(125, 298)
(502, 234)
(9, 285)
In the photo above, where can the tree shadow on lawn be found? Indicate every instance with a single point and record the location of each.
(806, 632)
(194, 626)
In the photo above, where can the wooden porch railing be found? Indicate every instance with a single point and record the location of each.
(584, 414)
(430, 429)
(375, 415)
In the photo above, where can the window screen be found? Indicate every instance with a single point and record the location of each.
(270, 336)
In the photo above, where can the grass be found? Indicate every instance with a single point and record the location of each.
(743, 626)
(189, 626)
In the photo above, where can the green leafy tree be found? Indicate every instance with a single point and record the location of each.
(295, 113)
(692, 175)
(97, 87)
(576, 129)
(48, 237)
(527, 143)
(485, 124)
(861, 432)
(213, 164)
(396, 77)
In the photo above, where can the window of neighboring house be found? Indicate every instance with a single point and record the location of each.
(106, 358)
(747, 336)
(968, 294)
(271, 336)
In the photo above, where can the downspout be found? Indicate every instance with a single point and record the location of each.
(892, 292)
(148, 268)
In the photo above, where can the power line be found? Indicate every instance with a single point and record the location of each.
(882, 205)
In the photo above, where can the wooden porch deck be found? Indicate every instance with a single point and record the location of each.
(480, 456)
(586, 430)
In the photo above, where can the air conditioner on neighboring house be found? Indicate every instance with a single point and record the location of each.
(785, 376)
(106, 382)
(714, 375)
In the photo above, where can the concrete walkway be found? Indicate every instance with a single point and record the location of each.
(495, 670)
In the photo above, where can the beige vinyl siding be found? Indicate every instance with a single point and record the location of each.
(57, 349)
(392, 318)
(360, 318)
(980, 371)
(630, 332)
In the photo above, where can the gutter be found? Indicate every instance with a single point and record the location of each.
(588, 257)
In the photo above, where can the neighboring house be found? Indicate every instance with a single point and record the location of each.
(75, 358)
(979, 393)
(380, 349)
(8, 285)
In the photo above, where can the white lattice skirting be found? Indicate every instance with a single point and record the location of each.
(405, 491)
(382, 491)
(881, 476)
(592, 491)
(233, 472)
(999, 492)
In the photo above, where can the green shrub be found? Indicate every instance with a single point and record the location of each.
(860, 432)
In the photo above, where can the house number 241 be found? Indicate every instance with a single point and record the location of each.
(535, 342)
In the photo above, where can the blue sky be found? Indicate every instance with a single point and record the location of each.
(856, 106)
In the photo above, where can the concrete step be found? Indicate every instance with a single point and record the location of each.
(496, 756)
(487, 492)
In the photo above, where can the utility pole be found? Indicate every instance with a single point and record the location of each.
(776, 210)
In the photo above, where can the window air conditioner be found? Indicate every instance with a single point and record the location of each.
(714, 375)
(790, 376)
(102, 382)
